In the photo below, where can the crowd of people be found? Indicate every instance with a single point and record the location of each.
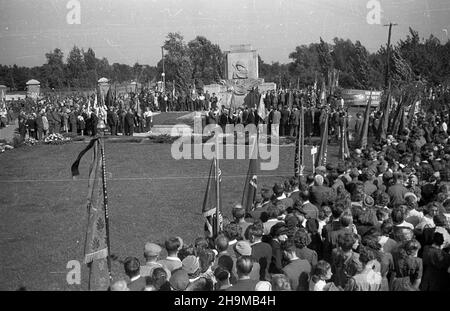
(378, 221)
(133, 113)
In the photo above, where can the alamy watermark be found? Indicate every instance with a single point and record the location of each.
(373, 17)
(73, 17)
(235, 147)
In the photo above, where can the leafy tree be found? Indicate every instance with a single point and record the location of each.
(206, 59)
(54, 69)
(178, 66)
(76, 67)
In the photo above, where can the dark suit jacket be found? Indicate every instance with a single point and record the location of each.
(285, 116)
(320, 194)
(137, 285)
(298, 273)
(262, 253)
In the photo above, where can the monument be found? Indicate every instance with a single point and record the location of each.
(242, 76)
(33, 88)
(103, 86)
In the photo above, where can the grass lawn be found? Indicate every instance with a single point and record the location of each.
(151, 197)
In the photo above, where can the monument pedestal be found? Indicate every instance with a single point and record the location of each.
(242, 77)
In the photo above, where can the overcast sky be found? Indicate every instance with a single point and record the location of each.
(133, 30)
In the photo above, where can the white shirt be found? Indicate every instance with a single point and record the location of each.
(318, 286)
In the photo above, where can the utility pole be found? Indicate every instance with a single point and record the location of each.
(388, 54)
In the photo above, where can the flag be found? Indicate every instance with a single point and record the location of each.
(382, 129)
(299, 145)
(399, 121)
(262, 108)
(321, 159)
(344, 152)
(365, 128)
(96, 244)
(209, 208)
(251, 182)
(109, 98)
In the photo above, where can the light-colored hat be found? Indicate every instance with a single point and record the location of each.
(243, 248)
(152, 249)
(120, 286)
(191, 264)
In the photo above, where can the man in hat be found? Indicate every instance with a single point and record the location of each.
(152, 252)
(243, 248)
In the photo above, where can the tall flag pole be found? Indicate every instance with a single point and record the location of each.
(344, 152)
(299, 145)
(97, 248)
(382, 130)
(321, 159)
(363, 136)
(251, 182)
(218, 179)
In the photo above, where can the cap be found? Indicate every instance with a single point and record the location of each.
(152, 249)
(191, 264)
(243, 248)
(179, 280)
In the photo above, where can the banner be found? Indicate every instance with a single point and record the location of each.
(300, 144)
(321, 159)
(251, 181)
(209, 208)
(96, 244)
(363, 136)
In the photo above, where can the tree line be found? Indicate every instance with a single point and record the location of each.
(200, 62)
